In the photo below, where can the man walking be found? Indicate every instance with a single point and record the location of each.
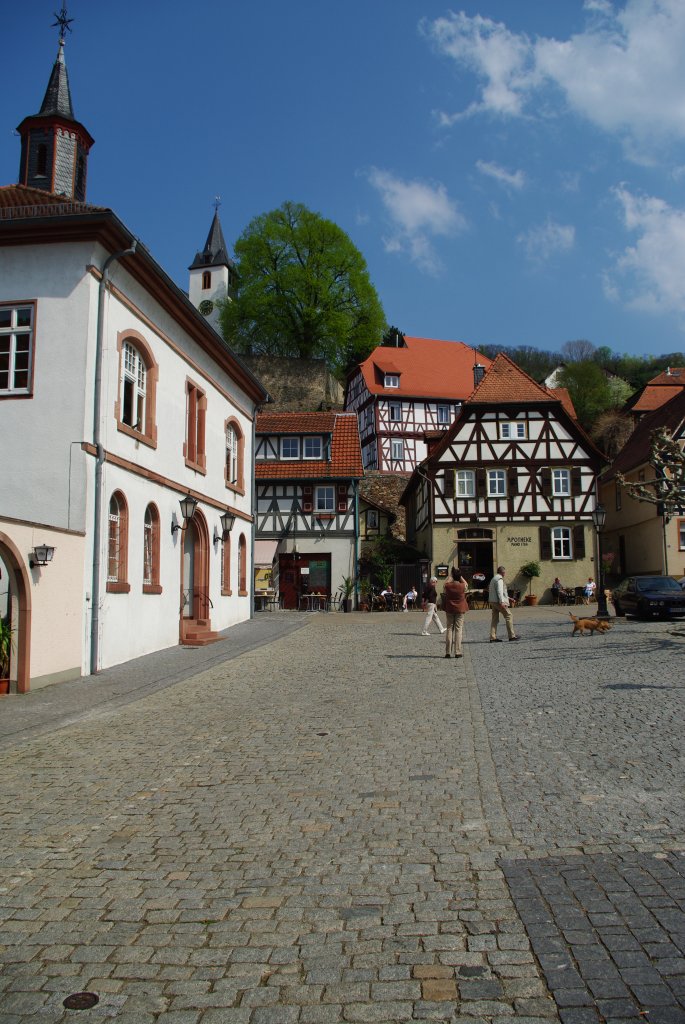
(498, 596)
(455, 606)
(430, 597)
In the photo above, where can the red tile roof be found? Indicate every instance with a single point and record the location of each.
(564, 397)
(504, 382)
(672, 375)
(653, 396)
(20, 201)
(346, 454)
(428, 368)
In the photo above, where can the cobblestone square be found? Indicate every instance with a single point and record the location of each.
(321, 819)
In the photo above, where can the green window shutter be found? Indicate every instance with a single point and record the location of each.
(449, 483)
(546, 481)
(578, 542)
(575, 481)
(545, 543)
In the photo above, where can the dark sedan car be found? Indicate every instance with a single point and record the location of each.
(649, 596)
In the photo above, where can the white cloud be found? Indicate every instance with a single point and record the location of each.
(650, 275)
(546, 240)
(624, 73)
(516, 180)
(418, 212)
(500, 58)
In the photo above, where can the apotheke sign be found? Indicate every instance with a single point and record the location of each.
(519, 542)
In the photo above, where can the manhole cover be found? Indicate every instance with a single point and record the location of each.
(81, 1001)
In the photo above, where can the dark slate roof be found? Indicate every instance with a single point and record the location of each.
(215, 253)
(57, 99)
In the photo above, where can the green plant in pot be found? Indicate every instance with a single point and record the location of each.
(6, 648)
(531, 570)
(364, 592)
(348, 587)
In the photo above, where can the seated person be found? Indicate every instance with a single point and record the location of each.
(388, 596)
(589, 590)
(410, 599)
(558, 592)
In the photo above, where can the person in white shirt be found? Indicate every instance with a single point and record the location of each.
(498, 596)
(409, 599)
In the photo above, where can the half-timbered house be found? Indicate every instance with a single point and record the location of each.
(407, 389)
(512, 481)
(307, 471)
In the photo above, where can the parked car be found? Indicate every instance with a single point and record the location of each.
(649, 596)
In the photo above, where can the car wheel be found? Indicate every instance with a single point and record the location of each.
(620, 613)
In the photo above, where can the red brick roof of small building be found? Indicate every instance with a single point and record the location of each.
(346, 454)
(505, 382)
(673, 375)
(562, 394)
(653, 396)
(19, 197)
(427, 368)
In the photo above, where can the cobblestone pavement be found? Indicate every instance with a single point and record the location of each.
(342, 825)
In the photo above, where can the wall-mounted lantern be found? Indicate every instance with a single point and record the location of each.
(188, 506)
(227, 519)
(41, 555)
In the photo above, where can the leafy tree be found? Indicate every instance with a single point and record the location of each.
(304, 291)
(589, 389)
(667, 489)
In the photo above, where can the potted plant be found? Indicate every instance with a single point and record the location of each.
(348, 585)
(364, 592)
(531, 570)
(6, 647)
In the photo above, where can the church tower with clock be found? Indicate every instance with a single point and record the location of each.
(212, 274)
(54, 145)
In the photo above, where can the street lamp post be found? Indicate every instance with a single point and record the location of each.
(599, 518)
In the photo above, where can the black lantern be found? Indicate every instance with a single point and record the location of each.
(188, 506)
(227, 519)
(41, 555)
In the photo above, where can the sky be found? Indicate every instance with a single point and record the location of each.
(513, 171)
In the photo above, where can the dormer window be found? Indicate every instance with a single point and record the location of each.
(312, 447)
(290, 447)
(206, 280)
(391, 380)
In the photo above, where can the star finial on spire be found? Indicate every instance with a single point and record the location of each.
(217, 203)
(62, 22)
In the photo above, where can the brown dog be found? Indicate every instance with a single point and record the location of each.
(591, 625)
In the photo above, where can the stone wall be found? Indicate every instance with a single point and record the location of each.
(297, 385)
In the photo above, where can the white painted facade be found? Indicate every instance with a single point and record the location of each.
(49, 466)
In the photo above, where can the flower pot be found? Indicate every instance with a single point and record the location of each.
(531, 599)
(347, 604)
(4, 686)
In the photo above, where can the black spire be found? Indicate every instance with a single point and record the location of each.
(54, 145)
(215, 253)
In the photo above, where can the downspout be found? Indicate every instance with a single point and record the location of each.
(355, 484)
(99, 459)
(431, 499)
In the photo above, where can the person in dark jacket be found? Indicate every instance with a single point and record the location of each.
(455, 607)
(430, 599)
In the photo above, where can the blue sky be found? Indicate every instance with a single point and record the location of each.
(512, 170)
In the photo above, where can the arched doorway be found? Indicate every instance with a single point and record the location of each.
(195, 601)
(17, 608)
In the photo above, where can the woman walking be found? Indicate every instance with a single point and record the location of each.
(430, 597)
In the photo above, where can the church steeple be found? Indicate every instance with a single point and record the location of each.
(212, 272)
(54, 145)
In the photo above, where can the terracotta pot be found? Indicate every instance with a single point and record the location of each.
(4, 686)
(531, 599)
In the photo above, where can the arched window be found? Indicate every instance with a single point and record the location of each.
(242, 566)
(135, 407)
(206, 279)
(151, 551)
(235, 444)
(226, 565)
(117, 545)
